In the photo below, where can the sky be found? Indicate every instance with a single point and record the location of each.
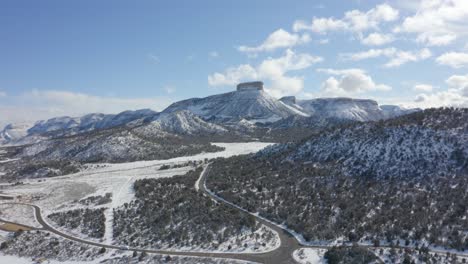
(75, 57)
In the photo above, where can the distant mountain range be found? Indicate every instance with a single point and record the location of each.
(242, 110)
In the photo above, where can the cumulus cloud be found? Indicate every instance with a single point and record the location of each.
(278, 39)
(396, 57)
(349, 82)
(439, 99)
(41, 104)
(403, 57)
(423, 87)
(453, 59)
(459, 83)
(320, 25)
(455, 95)
(272, 70)
(377, 39)
(437, 22)
(233, 75)
(354, 20)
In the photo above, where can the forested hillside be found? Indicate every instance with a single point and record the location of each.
(404, 178)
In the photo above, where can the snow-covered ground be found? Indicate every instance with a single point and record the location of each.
(309, 256)
(62, 193)
(22, 260)
(18, 213)
(231, 149)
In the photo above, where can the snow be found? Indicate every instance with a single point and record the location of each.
(231, 149)
(20, 260)
(184, 122)
(197, 183)
(18, 213)
(309, 256)
(255, 105)
(347, 108)
(61, 193)
(7, 160)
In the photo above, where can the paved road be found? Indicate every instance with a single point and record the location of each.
(46, 226)
(280, 255)
(283, 254)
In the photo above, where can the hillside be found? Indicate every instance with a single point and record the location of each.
(429, 143)
(254, 105)
(397, 181)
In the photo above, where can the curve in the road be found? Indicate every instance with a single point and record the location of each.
(280, 255)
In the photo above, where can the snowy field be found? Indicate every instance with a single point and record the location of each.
(21, 214)
(19, 260)
(309, 256)
(63, 193)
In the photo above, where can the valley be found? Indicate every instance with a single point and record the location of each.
(249, 179)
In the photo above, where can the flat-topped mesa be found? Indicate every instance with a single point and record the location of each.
(250, 86)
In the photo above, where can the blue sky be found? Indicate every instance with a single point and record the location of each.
(74, 57)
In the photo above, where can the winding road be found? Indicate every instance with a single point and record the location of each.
(279, 255)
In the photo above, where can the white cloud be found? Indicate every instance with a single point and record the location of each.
(403, 57)
(439, 99)
(396, 57)
(371, 19)
(349, 82)
(459, 83)
(453, 59)
(272, 70)
(354, 20)
(278, 39)
(3, 94)
(377, 39)
(320, 25)
(456, 94)
(233, 76)
(372, 53)
(438, 22)
(423, 87)
(42, 104)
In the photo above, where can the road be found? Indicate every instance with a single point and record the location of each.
(280, 255)
(289, 243)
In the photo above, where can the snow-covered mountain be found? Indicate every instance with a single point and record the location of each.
(183, 123)
(244, 112)
(89, 121)
(390, 111)
(13, 132)
(65, 126)
(169, 135)
(346, 108)
(252, 104)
